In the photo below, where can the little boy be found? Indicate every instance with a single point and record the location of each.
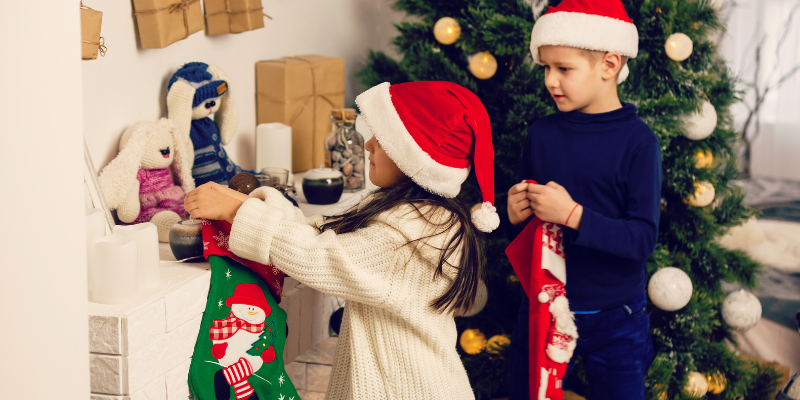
(600, 169)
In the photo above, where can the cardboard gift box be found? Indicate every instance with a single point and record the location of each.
(233, 16)
(91, 41)
(301, 92)
(164, 22)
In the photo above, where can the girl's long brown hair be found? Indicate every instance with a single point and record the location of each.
(461, 294)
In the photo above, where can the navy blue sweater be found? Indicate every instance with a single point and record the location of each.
(610, 163)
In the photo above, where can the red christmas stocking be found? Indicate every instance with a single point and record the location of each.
(537, 256)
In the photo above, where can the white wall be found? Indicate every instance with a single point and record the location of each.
(44, 332)
(129, 84)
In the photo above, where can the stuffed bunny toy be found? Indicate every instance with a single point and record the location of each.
(195, 93)
(137, 183)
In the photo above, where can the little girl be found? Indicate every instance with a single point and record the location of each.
(407, 258)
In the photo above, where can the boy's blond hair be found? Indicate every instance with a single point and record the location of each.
(595, 56)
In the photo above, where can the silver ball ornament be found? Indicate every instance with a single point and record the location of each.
(670, 289)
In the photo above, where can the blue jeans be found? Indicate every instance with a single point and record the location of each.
(614, 344)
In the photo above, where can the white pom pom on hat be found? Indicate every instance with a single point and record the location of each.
(435, 131)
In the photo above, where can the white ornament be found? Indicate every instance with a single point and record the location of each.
(741, 310)
(696, 385)
(678, 46)
(703, 194)
(699, 125)
(670, 289)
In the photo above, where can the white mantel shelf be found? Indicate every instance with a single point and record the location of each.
(141, 350)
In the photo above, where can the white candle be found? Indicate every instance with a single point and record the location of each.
(95, 228)
(148, 268)
(273, 146)
(113, 265)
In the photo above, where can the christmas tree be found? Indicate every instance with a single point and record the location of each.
(266, 339)
(683, 91)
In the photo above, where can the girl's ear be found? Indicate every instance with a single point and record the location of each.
(182, 164)
(116, 178)
(179, 109)
(227, 118)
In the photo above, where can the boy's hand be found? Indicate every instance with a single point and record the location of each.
(552, 203)
(214, 201)
(519, 206)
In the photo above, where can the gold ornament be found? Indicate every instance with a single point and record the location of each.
(678, 46)
(496, 343)
(446, 30)
(716, 382)
(472, 341)
(703, 159)
(696, 385)
(483, 65)
(703, 195)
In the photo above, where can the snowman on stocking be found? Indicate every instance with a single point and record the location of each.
(537, 256)
(243, 342)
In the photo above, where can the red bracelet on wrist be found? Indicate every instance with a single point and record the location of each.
(570, 214)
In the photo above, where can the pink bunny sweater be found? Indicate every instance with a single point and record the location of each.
(158, 193)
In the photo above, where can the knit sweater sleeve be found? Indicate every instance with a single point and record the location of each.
(355, 266)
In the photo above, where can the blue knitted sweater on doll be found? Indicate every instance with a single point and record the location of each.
(211, 162)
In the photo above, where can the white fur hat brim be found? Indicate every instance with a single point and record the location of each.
(585, 31)
(383, 120)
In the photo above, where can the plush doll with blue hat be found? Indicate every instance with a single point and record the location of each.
(195, 93)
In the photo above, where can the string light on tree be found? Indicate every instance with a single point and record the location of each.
(703, 195)
(446, 30)
(472, 341)
(716, 382)
(703, 159)
(741, 310)
(699, 125)
(483, 65)
(670, 289)
(696, 385)
(678, 46)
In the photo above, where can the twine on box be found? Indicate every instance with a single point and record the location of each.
(228, 11)
(310, 98)
(100, 46)
(180, 5)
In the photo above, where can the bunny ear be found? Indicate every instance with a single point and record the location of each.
(182, 164)
(117, 177)
(179, 109)
(227, 117)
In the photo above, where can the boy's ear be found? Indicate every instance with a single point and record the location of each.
(611, 64)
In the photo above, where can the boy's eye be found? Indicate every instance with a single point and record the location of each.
(564, 69)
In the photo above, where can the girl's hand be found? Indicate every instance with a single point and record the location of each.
(552, 203)
(214, 201)
(519, 207)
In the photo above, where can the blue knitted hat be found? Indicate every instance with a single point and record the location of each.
(196, 74)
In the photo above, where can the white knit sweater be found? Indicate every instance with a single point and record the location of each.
(392, 345)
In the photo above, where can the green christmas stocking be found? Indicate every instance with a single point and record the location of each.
(239, 350)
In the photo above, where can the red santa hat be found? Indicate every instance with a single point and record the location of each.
(434, 132)
(599, 25)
